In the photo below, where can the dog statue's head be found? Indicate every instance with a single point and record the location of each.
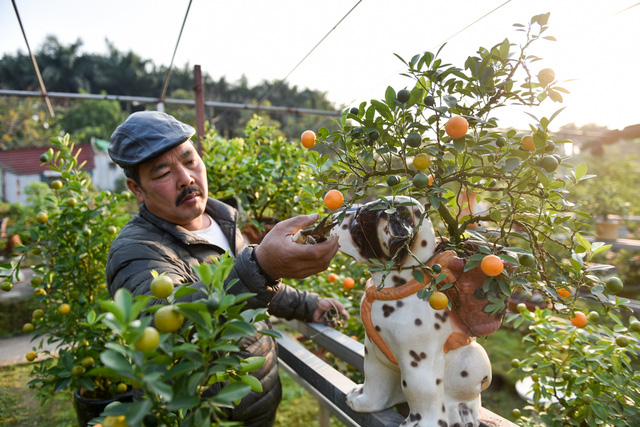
(387, 230)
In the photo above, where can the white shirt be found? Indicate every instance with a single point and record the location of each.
(213, 234)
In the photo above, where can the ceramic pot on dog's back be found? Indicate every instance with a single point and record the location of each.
(469, 300)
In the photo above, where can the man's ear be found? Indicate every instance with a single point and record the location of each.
(135, 189)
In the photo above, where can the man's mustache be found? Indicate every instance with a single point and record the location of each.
(186, 191)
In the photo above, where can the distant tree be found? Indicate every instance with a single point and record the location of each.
(92, 118)
(24, 122)
(65, 69)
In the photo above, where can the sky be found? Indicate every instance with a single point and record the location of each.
(595, 57)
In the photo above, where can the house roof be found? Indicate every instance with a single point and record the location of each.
(26, 161)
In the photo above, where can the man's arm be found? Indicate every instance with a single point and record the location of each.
(291, 303)
(130, 263)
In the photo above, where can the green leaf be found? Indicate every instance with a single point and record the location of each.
(112, 307)
(418, 275)
(250, 364)
(580, 171)
(459, 144)
(270, 333)
(183, 402)
(441, 277)
(231, 392)
(123, 300)
(116, 361)
(181, 367)
(450, 100)
(383, 109)
(183, 291)
(600, 247)
(244, 327)
(389, 96)
(583, 242)
(510, 164)
(135, 411)
(157, 386)
(195, 379)
(252, 382)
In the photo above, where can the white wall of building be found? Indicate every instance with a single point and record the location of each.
(15, 186)
(106, 172)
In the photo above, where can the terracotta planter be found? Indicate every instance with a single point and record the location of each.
(251, 233)
(467, 297)
(88, 409)
(536, 301)
(607, 230)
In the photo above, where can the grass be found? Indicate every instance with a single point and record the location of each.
(501, 347)
(14, 313)
(298, 408)
(20, 407)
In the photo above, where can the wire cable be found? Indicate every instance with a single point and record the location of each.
(35, 63)
(168, 76)
(625, 9)
(306, 56)
(437, 45)
(473, 23)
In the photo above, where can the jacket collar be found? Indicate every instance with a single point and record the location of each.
(223, 214)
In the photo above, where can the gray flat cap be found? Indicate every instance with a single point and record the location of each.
(145, 135)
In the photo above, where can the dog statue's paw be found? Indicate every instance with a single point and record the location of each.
(353, 395)
(463, 414)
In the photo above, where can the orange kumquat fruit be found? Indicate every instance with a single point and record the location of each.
(457, 127)
(492, 265)
(308, 139)
(333, 199)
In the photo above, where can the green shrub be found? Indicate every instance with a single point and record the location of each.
(263, 170)
(68, 240)
(581, 376)
(173, 372)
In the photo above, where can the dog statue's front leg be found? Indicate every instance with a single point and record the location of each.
(423, 386)
(467, 374)
(381, 388)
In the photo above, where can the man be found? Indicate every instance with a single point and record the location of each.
(178, 226)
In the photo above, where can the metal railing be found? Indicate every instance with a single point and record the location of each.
(330, 387)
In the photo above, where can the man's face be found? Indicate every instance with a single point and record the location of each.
(174, 187)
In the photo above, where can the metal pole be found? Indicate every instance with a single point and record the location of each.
(35, 63)
(149, 100)
(198, 87)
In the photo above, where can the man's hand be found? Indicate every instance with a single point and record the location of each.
(329, 312)
(280, 257)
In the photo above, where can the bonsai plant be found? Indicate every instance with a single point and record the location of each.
(176, 361)
(438, 141)
(263, 170)
(68, 241)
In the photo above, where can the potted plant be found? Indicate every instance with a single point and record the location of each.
(263, 171)
(68, 242)
(173, 366)
(438, 141)
(607, 195)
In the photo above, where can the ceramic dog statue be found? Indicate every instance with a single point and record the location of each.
(413, 353)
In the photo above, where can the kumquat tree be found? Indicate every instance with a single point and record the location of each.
(497, 197)
(67, 250)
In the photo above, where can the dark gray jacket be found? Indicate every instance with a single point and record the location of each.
(148, 243)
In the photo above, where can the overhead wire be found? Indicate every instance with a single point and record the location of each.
(33, 60)
(168, 76)
(626, 9)
(437, 45)
(281, 82)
